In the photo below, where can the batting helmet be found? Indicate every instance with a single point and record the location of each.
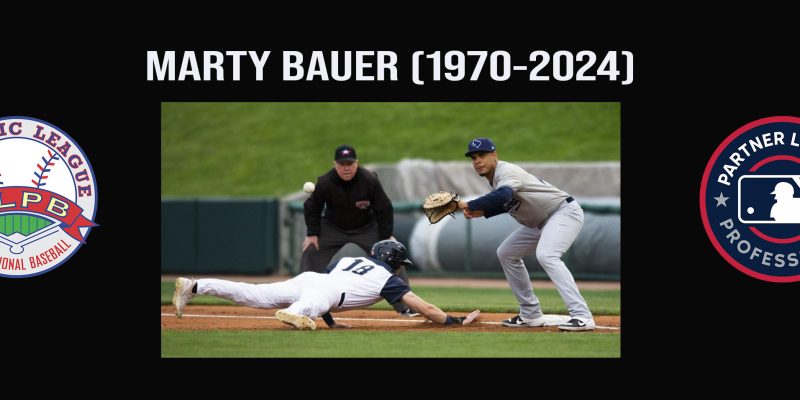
(391, 252)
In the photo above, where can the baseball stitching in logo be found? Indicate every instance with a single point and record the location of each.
(750, 199)
(48, 197)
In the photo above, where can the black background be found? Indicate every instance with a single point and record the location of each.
(694, 85)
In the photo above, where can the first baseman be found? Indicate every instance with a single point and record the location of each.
(550, 219)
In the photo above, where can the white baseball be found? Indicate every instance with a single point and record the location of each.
(308, 187)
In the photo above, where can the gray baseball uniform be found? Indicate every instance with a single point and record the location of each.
(550, 220)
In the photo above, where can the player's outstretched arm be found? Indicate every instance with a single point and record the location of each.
(434, 313)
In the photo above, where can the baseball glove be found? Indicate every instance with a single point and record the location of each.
(439, 205)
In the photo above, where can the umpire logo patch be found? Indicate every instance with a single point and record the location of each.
(750, 199)
(48, 197)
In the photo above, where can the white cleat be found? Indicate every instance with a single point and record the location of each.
(578, 324)
(301, 322)
(182, 295)
(519, 322)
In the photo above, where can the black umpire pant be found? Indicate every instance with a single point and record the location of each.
(332, 239)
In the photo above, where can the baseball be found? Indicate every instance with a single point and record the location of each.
(308, 187)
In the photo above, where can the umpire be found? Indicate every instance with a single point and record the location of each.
(357, 211)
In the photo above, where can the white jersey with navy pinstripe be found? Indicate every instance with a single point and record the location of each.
(534, 199)
(366, 281)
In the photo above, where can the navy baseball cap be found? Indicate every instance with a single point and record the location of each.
(345, 153)
(479, 145)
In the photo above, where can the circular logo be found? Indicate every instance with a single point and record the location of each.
(48, 197)
(750, 199)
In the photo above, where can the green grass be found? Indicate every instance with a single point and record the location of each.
(601, 302)
(336, 343)
(502, 300)
(269, 149)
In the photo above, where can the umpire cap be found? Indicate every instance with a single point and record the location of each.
(345, 153)
(479, 145)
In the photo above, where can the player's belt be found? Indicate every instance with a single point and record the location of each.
(341, 301)
(567, 200)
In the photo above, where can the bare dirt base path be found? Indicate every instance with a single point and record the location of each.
(233, 317)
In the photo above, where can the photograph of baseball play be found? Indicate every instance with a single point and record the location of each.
(496, 232)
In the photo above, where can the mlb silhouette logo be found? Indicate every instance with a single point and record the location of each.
(769, 199)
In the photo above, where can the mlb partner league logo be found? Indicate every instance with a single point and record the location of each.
(750, 199)
(48, 197)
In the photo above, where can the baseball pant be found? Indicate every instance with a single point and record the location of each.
(307, 294)
(332, 239)
(549, 241)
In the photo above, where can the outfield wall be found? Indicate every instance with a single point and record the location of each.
(413, 179)
(220, 236)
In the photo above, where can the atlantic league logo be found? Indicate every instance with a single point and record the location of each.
(750, 199)
(48, 197)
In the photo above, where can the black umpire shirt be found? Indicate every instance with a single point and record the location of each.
(351, 205)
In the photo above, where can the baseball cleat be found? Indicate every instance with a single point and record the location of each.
(301, 322)
(577, 324)
(519, 322)
(182, 295)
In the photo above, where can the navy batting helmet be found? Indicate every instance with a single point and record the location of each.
(391, 252)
